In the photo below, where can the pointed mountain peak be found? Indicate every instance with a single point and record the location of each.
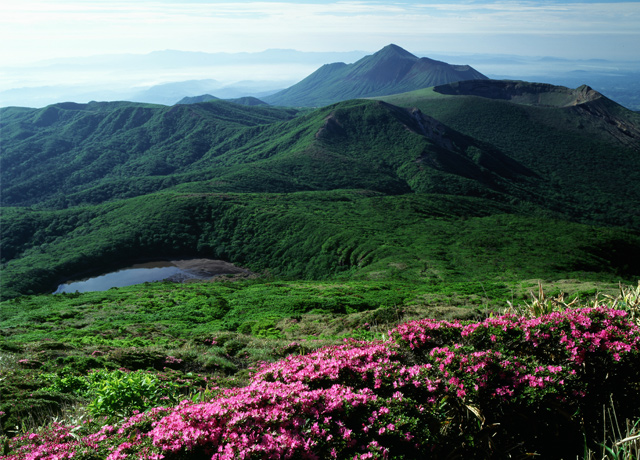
(394, 50)
(390, 70)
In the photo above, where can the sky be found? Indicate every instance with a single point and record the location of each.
(35, 30)
(44, 44)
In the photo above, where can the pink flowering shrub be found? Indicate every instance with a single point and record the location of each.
(108, 442)
(524, 373)
(503, 386)
(353, 363)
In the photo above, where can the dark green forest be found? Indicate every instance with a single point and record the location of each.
(437, 184)
(314, 235)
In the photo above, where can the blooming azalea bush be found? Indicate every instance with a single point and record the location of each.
(560, 367)
(508, 385)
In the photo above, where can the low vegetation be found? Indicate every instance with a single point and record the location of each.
(315, 235)
(383, 240)
(546, 373)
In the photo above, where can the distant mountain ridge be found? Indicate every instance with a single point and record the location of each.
(583, 100)
(197, 99)
(369, 184)
(248, 100)
(389, 71)
(522, 92)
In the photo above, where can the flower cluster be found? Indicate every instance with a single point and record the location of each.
(263, 420)
(354, 363)
(406, 397)
(566, 336)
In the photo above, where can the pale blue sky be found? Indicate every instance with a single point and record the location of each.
(32, 30)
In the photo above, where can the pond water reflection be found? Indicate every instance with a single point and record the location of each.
(177, 271)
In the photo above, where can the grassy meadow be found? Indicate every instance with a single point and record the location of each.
(73, 364)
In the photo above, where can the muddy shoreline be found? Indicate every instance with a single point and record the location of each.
(209, 267)
(197, 268)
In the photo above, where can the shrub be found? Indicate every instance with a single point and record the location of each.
(122, 393)
(507, 386)
(64, 382)
(221, 364)
(137, 358)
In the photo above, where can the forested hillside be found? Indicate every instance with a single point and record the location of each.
(392, 243)
(501, 179)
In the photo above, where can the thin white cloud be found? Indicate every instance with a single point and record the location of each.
(46, 28)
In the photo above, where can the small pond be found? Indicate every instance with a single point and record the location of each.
(170, 270)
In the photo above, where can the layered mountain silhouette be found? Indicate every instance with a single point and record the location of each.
(197, 99)
(389, 71)
(234, 181)
(520, 139)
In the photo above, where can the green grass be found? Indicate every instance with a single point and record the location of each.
(167, 315)
(169, 311)
(315, 235)
(60, 355)
(209, 333)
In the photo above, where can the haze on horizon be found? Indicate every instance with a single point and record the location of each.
(38, 32)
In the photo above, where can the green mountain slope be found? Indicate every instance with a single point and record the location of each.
(113, 149)
(582, 147)
(454, 182)
(563, 158)
(391, 70)
(351, 234)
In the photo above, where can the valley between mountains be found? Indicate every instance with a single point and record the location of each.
(313, 193)
(368, 195)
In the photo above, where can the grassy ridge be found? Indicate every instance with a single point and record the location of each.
(66, 149)
(578, 174)
(354, 234)
(565, 159)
